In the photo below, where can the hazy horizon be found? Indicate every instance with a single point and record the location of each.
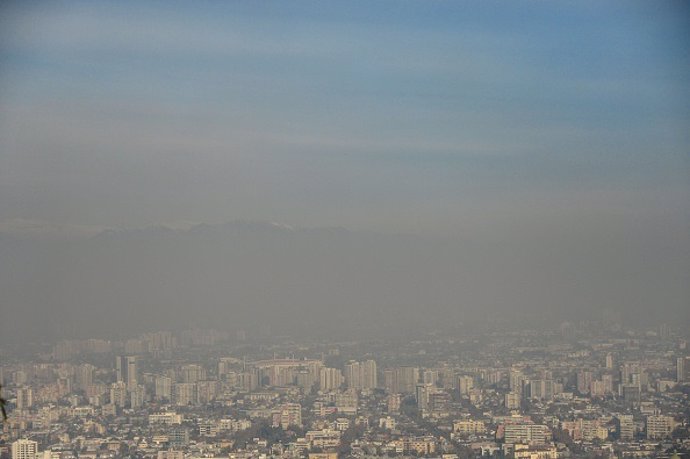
(394, 163)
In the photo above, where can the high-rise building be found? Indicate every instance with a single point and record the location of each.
(137, 397)
(584, 382)
(541, 389)
(517, 380)
(330, 379)
(465, 385)
(248, 381)
(625, 427)
(659, 427)
(185, 394)
(449, 378)
(84, 375)
(207, 391)
(24, 449)
(512, 400)
(631, 394)
(607, 380)
(361, 375)
(163, 388)
(630, 373)
(25, 398)
(282, 372)
(369, 374)
(118, 394)
(422, 395)
(192, 373)
(683, 369)
(127, 370)
(121, 368)
(401, 380)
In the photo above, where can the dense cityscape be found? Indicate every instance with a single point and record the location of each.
(344, 229)
(578, 390)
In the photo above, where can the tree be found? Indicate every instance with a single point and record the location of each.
(3, 404)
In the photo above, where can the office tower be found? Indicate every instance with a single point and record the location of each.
(626, 427)
(631, 394)
(132, 372)
(126, 369)
(120, 368)
(630, 373)
(422, 396)
(24, 449)
(330, 379)
(465, 385)
(25, 398)
(683, 369)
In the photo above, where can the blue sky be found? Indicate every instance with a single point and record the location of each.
(413, 116)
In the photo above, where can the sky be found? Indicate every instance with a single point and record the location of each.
(487, 122)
